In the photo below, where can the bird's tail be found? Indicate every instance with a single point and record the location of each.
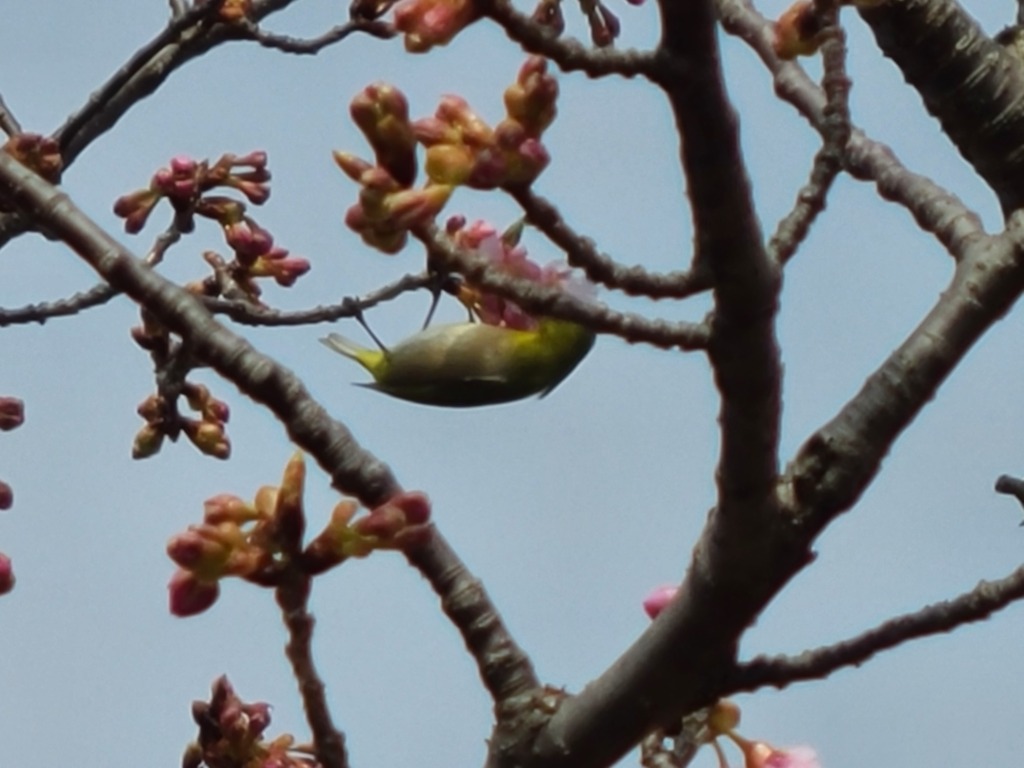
(344, 346)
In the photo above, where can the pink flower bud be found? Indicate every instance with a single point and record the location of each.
(758, 754)
(147, 441)
(135, 208)
(548, 13)
(414, 207)
(188, 596)
(12, 413)
(6, 496)
(658, 599)
(208, 437)
(432, 130)
(354, 167)
(227, 508)
(415, 505)
(6, 574)
(427, 23)
(248, 239)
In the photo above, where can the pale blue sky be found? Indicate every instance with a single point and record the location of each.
(570, 508)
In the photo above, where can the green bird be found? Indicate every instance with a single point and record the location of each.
(462, 365)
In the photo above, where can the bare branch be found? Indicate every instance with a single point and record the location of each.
(838, 462)
(248, 314)
(553, 302)
(1011, 486)
(743, 350)
(570, 55)
(977, 605)
(8, 122)
(505, 669)
(969, 83)
(744, 556)
(601, 268)
(378, 29)
(934, 209)
(72, 305)
(93, 297)
(293, 598)
(828, 162)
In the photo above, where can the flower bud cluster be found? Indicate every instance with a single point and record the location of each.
(799, 30)
(39, 153)
(262, 540)
(507, 257)
(723, 719)
(388, 204)
(231, 11)
(207, 432)
(463, 149)
(185, 184)
(231, 734)
(426, 23)
(400, 523)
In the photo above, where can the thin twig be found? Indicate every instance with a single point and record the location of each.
(248, 314)
(8, 122)
(569, 54)
(976, 605)
(96, 296)
(601, 268)
(309, 46)
(828, 161)
(553, 302)
(39, 313)
(935, 209)
(293, 598)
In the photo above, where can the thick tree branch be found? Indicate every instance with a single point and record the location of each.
(743, 350)
(353, 470)
(934, 209)
(977, 605)
(744, 555)
(837, 463)
(969, 83)
(505, 669)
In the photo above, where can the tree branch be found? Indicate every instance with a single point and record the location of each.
(554, 302)
(745, 553)
(353, 470)
(970, 84)
(601, 268)
(570, 55)
(838, 461)
(934, 209)
(828, 161)
(977, 605)
(293, 599)
(311, 46)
